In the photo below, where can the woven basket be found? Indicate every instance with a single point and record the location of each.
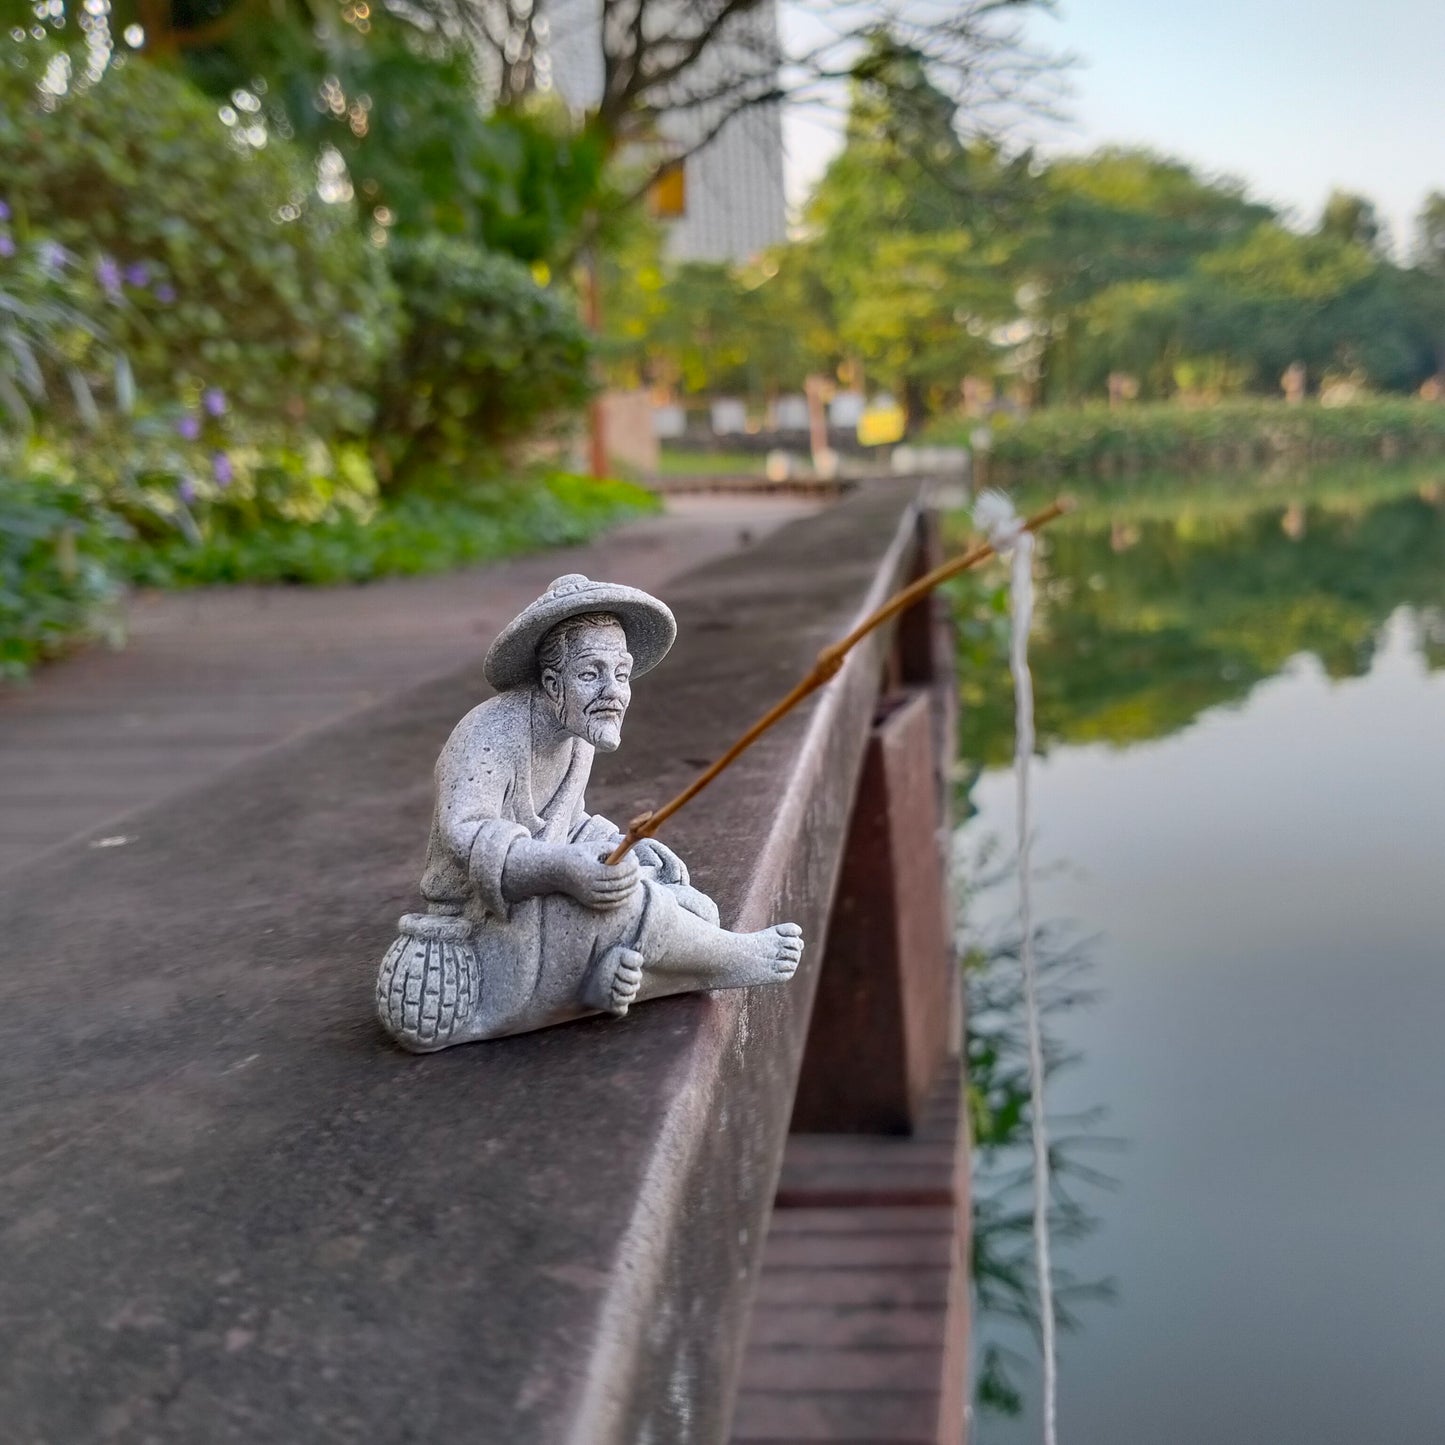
(429, 983)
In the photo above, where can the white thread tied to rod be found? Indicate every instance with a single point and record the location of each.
(995, 516)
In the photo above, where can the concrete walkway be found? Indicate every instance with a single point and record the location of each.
(212, 677)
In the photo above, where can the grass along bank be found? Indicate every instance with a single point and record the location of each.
(1336, 486)
(409, 534)
(1069, 443)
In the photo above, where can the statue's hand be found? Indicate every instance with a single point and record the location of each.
(594, 883)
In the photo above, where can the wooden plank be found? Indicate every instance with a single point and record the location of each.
(902, 1417)
(819, 1327)
(859, 1329)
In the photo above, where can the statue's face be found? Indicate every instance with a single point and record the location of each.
(592, 687)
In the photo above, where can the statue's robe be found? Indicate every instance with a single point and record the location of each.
(539, 956)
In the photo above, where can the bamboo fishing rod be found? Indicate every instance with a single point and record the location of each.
(830, 659)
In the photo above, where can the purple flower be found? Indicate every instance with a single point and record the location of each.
(53, 257)
(214, 401)
(165, 293)
(4, 211)
(7, 244)
(108, 274)
(189, 427)
(222, 470)
(186, 491)
(138, 274)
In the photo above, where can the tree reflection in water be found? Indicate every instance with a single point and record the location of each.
(1152, 609)
(1147, 617)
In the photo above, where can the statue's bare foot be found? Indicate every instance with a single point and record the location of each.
(770, 955)
(614, 982)
(626, 981)
(697, 956)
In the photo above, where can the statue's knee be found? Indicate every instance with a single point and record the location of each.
(698, 904)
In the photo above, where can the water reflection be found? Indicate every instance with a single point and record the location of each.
(1144, 622)
(1242, 713)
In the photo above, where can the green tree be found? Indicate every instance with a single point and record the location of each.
(1119, 218)
(704, 327)
(1430, 235)
(914, 233)
(1354, 219)
(1426, 281)
(404, 107)
(1142, 267)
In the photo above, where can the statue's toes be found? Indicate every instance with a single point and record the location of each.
(624, 984)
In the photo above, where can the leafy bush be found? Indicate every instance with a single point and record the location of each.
(56, 585)
(220, 265)
(48, 335)
(489, 356)
(416, 532)
(65, 553)
(1097, 441)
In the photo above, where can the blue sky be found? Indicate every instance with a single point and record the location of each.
(1291, 96)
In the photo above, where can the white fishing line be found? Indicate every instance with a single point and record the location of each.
(995, 515)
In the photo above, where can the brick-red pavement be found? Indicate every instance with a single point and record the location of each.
(211, 677)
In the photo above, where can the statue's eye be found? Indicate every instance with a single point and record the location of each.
(587, 675)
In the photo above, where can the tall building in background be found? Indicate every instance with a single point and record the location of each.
(730, 204)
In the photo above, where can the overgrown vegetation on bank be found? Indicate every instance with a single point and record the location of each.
(413, 534)
(66, 556)
(1067, 443)
(221, 362)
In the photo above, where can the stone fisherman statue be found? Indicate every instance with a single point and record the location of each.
(526, 925)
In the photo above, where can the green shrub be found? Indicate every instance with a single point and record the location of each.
(1099, 441)
(50, 342)
(489, 356)
(221, 267)
(56, 584)
(415, 532)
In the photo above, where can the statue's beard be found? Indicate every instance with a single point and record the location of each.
(600, 725)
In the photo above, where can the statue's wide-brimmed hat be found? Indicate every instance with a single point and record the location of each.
(649, 625)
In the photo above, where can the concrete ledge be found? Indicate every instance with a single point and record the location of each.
(234, 1213)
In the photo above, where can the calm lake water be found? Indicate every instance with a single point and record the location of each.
(1243, 801)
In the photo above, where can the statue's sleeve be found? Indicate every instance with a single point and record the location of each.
(472, 788)
(491, 843)
(594, 828)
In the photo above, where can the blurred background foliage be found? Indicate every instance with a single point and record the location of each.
(278, 301)
(1099, 442)
(487, 353)
(216, 263)
(924, 257)
(274, 269)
